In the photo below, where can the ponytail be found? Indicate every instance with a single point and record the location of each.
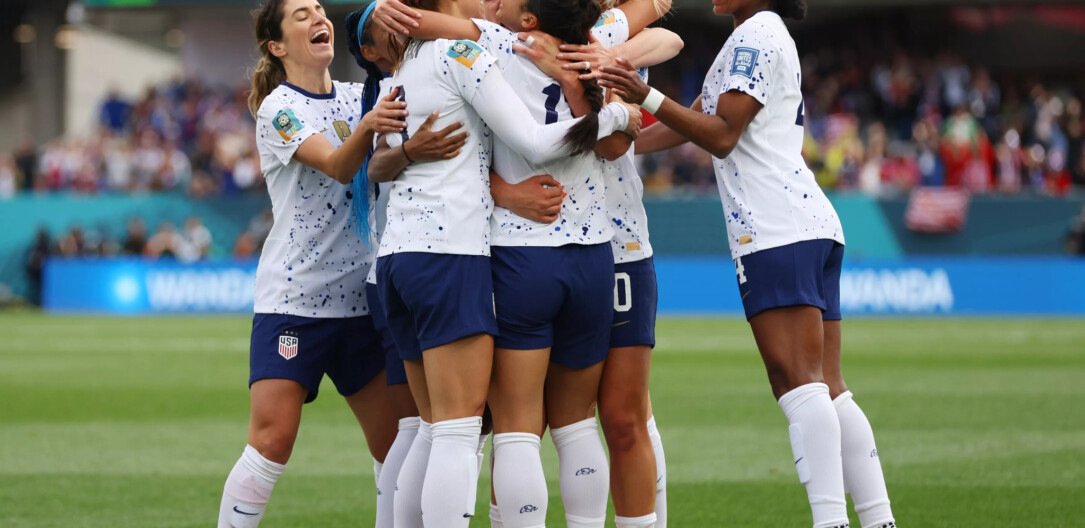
(571, 21)
(269, 72)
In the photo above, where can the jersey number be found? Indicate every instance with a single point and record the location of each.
(740, 270)
(553, 95)
(623, 292)
(800, 120)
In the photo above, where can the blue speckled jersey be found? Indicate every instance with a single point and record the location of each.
(770, 198)
(313, 264)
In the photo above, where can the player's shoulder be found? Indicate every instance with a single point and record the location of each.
(466, 53)
(763, 29)
(281, 100)
(349, 90)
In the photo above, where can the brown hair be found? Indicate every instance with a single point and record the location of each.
(571, 21)
(269, 72)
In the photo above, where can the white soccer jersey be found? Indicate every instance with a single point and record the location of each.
(770, 198)
(583, 218)
(313, 264)
(624, 189)
(445, 206)
(380, 208)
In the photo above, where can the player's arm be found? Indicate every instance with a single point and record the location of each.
(341, 164)
(537, 198)
(718, 134)
(648, 48)
(389, 161)
(398, 18)
(641, 13)
(658, 136)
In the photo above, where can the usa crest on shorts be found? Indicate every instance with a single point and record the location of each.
(288, 346)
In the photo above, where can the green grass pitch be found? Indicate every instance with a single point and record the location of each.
(136, 423)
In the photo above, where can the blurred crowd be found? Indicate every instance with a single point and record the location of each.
(181, 136)
(879, 121)
(882, 125)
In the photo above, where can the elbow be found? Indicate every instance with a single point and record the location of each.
(611, 152)
(723, 147)
(674, 44)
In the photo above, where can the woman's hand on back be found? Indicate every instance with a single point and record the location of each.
(427, 145)
(388, 116)
(544, 53)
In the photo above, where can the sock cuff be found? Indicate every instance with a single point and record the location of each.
(258, 465)
(798, 396)
(644, 521)
(470, 426)
(653, 431)
(577, 521)
(573, 432)
(843, 398)
(517, 438)
(410, 423)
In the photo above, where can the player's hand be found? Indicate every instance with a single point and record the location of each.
(625, 82)
(592, 57)
(388, 116)
(537, 198)
(427, 145)
(395, 16)
(544, 53)
(633, 127)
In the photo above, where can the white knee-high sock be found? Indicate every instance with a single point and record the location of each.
(389, 473)
(481, 452)
(644, 521)
(247, 490)
(584, 476)
(863, 477)
(377, 467)
(407, 499)
(815, 442)
(519, 482)
(661, 474)
(448, 495)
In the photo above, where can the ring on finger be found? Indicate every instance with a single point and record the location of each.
(530, 40)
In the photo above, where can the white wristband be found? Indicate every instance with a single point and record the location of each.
(652, 102)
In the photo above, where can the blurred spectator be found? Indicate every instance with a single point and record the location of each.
(135, 241)
(195, 241)
(115, 112)
(164, 243)
(35, 262)
(1075, 238)
(9, 176)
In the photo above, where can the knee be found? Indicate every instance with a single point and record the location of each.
(274, 445)
(624, 429)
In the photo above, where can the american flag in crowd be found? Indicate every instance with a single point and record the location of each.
(937, 210)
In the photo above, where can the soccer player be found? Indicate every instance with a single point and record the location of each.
(787, 244)
(310, 305)
(434, 271)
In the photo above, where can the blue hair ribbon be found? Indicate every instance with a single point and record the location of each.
(360, 206)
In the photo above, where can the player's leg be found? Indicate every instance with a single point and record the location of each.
(450, 299)
(623, 395)
(784, 299)
(583, 472)
(412, 474)
(582, 333)
(863, 477)
(287, 358)
(623, 412)
(458, 375)
(527, 295)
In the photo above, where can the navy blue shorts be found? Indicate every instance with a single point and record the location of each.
(560, 298)
(393, 365)
(303, 349)
(432, 299)
(803, 273)
(635, 300)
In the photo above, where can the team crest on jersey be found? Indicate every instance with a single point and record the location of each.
(606, 18)
(342, 129)
(287, 124)
(465, 52)
(288, 346)
(745, 60)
